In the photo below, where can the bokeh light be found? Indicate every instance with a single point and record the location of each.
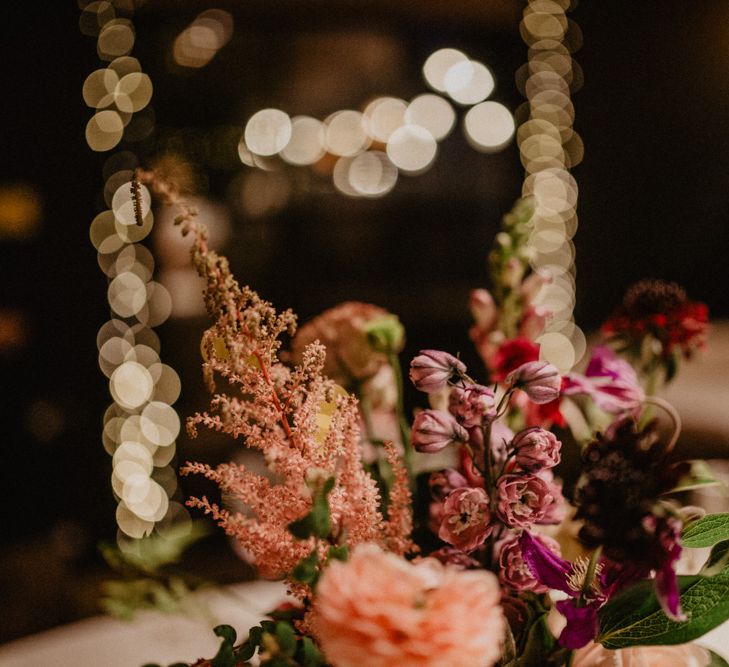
(437, 65)
(267, 132)
(412, 149)
(371, 174)
(306, 144)
(104, 130)
(345, 133)
(489, 126)
(383, 116)
(468, 82)
(433, 113)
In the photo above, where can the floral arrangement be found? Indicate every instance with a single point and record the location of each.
(505, 565)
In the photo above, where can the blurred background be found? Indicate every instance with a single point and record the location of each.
(653, 202)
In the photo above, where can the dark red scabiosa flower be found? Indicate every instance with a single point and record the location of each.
(661, 310)
(618, 499)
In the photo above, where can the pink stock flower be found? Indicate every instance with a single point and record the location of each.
(472, 404)
(380, 610)
(522, 499)
(442, 482)
(536, 449)
(433, 430)
(677, 655)
(538, 379)
(466, 518)
(515, 572)
(455, 557)
(556, 511)
(431, 370)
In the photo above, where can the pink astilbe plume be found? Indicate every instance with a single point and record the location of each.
(305, 429)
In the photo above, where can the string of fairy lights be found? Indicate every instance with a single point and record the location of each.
(371, 147)
(140, 425)
(549, 147)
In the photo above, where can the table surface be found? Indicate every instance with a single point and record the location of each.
(155, 637)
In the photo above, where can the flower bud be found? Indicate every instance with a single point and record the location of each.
(536, 449)
(539, 379)
(385, 333)
(431, 370)
(472, 404)
(483, 309)
(433, 430)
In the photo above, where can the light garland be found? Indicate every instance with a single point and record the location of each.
(140, 426)
(370, 148)
(549, 147)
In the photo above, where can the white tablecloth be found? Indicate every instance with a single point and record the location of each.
(154, 637)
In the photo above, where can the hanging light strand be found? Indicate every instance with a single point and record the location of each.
(549, 147)
(140, 426)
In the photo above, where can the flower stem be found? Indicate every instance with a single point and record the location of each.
(402, 423)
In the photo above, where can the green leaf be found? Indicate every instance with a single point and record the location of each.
(635, 618)
(285, 638)
(225, 656)
(321, 523)
(306, 570)
(308, 654)
(340, 552)
(540, 642)
(717, 660)
(717, 560)
(707, 531)
(227, 632)
(698, 475)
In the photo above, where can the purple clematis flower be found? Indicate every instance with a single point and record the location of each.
(581, 607)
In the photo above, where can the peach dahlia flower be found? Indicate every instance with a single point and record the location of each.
(379, 610)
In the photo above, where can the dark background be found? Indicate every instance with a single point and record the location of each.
(653, 202)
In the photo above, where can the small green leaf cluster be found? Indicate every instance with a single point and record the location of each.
(317, 523)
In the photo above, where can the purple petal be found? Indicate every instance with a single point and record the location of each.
(581, 625)
(667, 592)
(546, 567)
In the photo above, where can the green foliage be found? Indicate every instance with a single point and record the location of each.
(634, 617)
(306, 570)
(317, 522)
(707, 531)
(697, 475)
(148, 578)
(385, 333)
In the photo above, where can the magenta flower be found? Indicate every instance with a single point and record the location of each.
(472, 404)
(610, 381)
(585, 599)
(515, 573)
(431, 370)
(522, 499)
(434, 429)
(466, 518)
(539, 379)
(552, 571)
(535, 449)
